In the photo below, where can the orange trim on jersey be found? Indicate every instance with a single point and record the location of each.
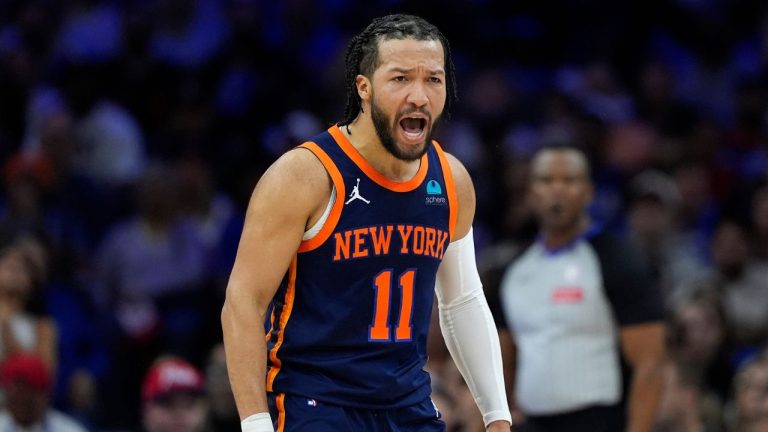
(338, 205)
(290, 294)
(280, 402)
(371, 172)
(453, 202)
(271, 325)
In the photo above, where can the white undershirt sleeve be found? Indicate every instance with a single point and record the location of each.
(469, 330)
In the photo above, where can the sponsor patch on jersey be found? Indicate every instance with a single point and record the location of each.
(434, 188)
(568, 294)
(435, 200)
(434, 192)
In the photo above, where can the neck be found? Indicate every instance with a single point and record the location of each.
(557, 237)
(363, 137)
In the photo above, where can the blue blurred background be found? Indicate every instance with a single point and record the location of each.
(132, 133)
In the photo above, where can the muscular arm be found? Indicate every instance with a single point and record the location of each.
(638, 310)
(291, 193)
(509, 357)
(643, 347)
(465, 318)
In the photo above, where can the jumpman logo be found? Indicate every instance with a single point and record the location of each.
(356, 194)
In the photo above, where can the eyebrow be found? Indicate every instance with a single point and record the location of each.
(439, 71)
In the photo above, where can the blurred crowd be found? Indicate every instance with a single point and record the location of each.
(132, 133)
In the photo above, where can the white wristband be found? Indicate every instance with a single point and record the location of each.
(260, 422)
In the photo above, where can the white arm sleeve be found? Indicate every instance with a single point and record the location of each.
(469, 330)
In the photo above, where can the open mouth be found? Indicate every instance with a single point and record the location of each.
(413, 127)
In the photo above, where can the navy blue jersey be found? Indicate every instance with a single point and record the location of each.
(349, 324)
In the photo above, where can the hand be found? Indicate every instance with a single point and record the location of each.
(499, 426)
(518, 417)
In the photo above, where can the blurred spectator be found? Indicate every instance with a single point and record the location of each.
(653, 228)
(148, 262)
(464, 415)
(44, 102)
(750, 409)
(489, 100)
(627, 149)
(81, 354)
(212, 216)
(742, 158)
(658, 104)
(24, 212)
(697, 343)
(450, 392)
(24, 324)
(742, 283)
(683, 407)
(110, 145)
(698, 213)
(215, 224)
(50, 198)
(27, 382)
(223, 411)
(173, 397)
(148, 274)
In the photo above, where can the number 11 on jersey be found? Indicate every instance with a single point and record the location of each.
(379, 331)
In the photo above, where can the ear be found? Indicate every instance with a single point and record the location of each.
(363, 85)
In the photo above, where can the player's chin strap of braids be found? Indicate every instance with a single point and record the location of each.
(469, 330)
(260, 422)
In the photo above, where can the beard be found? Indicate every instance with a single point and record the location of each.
(384, 130)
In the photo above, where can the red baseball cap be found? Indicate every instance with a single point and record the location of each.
(171, 376)
(27, 368)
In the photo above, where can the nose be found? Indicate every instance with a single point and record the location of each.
(556, 186)
(418, 95)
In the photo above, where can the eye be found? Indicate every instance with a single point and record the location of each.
(399, 78)
(435, 80)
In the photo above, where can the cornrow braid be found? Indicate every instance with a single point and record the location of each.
(362, 55)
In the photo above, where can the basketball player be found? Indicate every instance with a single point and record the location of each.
(360, 224)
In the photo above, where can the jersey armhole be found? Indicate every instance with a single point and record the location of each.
(312, 231)
(450, 189)
(331, 216)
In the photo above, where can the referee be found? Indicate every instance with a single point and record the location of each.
(572, 308)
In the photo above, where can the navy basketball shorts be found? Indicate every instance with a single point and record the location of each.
(292, 413)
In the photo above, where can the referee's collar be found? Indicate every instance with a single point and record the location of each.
(592, 230)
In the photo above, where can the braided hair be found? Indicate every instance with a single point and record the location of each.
(362, 56)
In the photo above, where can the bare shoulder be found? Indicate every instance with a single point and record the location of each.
(465, 195)
(283, 201)
(461, 177)
(297, 182)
